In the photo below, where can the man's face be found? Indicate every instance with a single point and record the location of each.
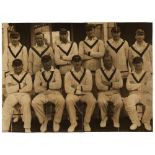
(47, 65)
(91, 33)
(15, 41)
(64, 37)
(18, 69)
(107, 62)
(77, 65)
(116, 35)
(39, 39)
(139, 38)
(139, 66)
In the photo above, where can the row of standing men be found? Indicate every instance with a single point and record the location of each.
(91, 50)
(73, 78)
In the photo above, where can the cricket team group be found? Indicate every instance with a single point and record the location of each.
(33, 77)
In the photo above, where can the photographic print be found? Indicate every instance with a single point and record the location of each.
(77, 77)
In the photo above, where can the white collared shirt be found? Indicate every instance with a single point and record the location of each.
(108, 72)
(147, 56)
(119, 58)
(91, 53)
(145, 85)
(8, 58)
(78, 74)
(40, 84)
(35, 61)
(26, 84)
(97, 50)
(114, 76)
(85, 83)
(61, 58)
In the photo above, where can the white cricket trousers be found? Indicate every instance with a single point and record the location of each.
(24, 100)
(71, 101)
(104, 99)
(55, 98)
(130, 106)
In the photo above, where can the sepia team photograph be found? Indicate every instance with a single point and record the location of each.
(77, 77)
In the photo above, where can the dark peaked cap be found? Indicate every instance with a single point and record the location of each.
(76, 58)
(17, 62)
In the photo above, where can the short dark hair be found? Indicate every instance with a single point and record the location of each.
(89, 27)
(115, 29)
(14, 35)
(137, 60)
(140, 32)
(46, 58)
(39, 33)
(17, 63)
(63, 31)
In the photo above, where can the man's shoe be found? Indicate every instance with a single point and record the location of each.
(56, 126)
(43, 127)
(103, 123)
(27, 130)
(87, 127)
(116, 124)
(147, 126)
(133, 127)
(72, 127)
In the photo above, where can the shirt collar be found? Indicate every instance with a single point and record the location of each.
(138, 74)
(12, 72)
(73, 70)
(51, 70)
(65, 43)
(19, 45)
(143, 43)
(94, 38)
(112, 68)
(44, 45)
(120, 40)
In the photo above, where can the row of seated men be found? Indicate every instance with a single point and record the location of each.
(78, 85)
(91, 51)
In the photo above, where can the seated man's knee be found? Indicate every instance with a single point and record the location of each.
(118, 102)
(130, 100)
(101, 102)
(34, 101)
(61, 100)
(91, 99)
(148, 100)
(26, 98)
(10, 98)
(129, 106)
(69, 99)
